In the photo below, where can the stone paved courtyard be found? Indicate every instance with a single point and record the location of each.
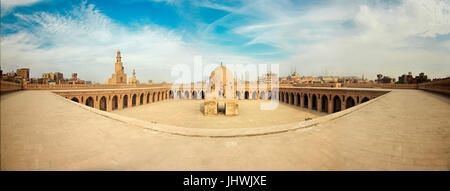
(44, 131)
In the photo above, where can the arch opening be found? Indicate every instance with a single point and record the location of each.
(75, 99)
(314, 102)
(336, 104)
(125, 101)
(90, 102)
(103, 105)
(115, 103)
(133, 100)
(324, 103)
(365, 99)
(350, 102)
(305, 101)
(194, 95)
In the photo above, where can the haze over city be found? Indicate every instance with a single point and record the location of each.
(338, 38)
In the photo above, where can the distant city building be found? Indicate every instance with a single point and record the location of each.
(384, 79)
(329, 79)
(294, 78)
(409, 79)
(74, 76)
(23, 73)
(406, 78)
(53, 78)
(11, 74)
(119, 77)
(421, 78)
(267, 78)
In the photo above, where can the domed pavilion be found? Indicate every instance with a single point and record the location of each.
(221, 97)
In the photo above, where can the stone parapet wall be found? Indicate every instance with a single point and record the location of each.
(355, 85)
(88, 86)
(440, 86)
(9, 87)
(385, 86)
(329, 85)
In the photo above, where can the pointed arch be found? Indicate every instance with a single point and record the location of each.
(125, 101)
(350, 102)
(324, 100)
(90, 101)
(336, 104)
(103, 103)
(115, 102)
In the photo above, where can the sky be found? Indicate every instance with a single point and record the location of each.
(313, 38)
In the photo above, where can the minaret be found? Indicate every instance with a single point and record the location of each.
(118, 56)
(119, 77)
(119, 66)
(134, 73)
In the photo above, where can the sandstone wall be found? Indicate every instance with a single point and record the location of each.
(387, 86)
(9, 87)
(87, 86)
(441, 86)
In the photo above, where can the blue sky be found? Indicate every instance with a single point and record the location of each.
(319, 37)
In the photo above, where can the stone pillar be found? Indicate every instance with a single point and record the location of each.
(319, 103)
(295, 100)
(330, 105)
(138, 99)
(342, 103)
(145, 98)
(302, 101)
(96, 103)
(120, 100)
(109, 103)
(130, 100)
(309, 101)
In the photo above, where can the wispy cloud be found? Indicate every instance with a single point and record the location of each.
(9, 5)
(319, 38)
(84, 40)
(351, 37)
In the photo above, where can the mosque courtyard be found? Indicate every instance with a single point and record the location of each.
(187, 113)
(401, 130)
